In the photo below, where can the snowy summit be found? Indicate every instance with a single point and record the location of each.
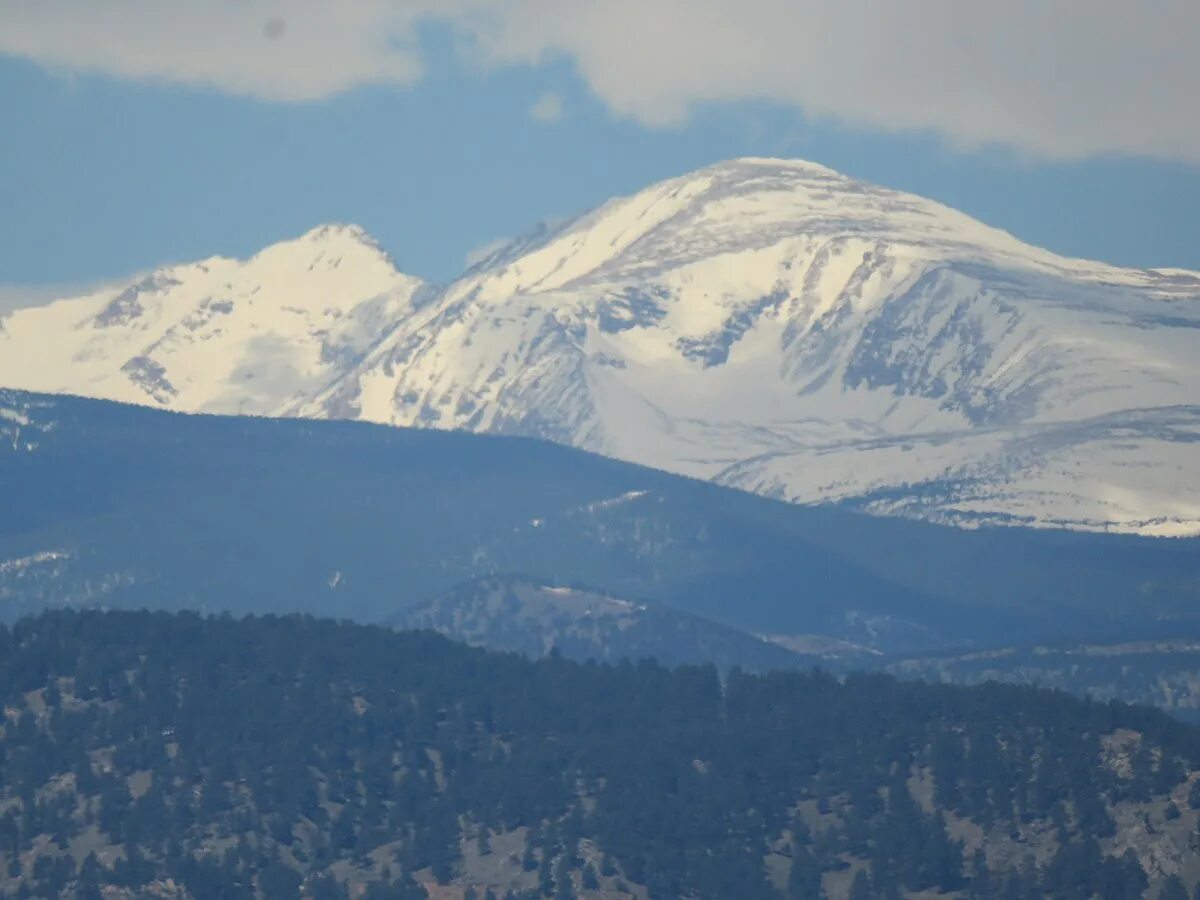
(766, 324)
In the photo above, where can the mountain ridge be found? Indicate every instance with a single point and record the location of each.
(628, 363)
(525, 615)
(770, 325)
(218, 335)
(126, 506)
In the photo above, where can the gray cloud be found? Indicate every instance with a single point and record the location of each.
(290, 50)
(1065, 79)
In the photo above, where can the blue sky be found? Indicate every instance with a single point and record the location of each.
(104, 172)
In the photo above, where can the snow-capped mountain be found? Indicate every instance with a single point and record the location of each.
(221, 335)
(766, 324)
(779, 327)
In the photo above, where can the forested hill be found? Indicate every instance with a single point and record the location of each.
(128, 507)
(171, 755)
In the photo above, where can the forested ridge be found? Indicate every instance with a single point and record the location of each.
(128, 507)
(1163, 673)
(174, 755)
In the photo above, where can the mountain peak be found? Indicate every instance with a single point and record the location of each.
(776, 326)
(754, 206)
(765, 323)
(339, 232)
(775, 162)
(248, 336)
(330, 246)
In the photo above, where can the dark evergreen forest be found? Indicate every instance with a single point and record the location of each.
(156, 754)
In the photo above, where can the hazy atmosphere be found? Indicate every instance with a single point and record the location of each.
(608, 450)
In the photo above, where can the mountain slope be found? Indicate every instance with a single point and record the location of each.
(128, 506)
(147, 755)
(1163, 673)
(765, 324)
(781, 328)
(514, 614)
(221, 335)
(522, 616)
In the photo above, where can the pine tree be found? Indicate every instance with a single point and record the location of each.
(590, 879)
(564, 889)
(804, 879)
(529, 860)
(860, 889)
(1173, 888)
(981, 878)
(89, 878)
(546, 875)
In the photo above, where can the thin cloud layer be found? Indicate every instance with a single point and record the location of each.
(1066, 79)
(289, 50)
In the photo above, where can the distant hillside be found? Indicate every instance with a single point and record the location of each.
(1163, 673)
(157, 755)
(514, 614)
(125, 506)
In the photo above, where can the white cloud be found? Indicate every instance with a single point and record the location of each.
(275, 49)
(547, 108)
(1065, 79)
